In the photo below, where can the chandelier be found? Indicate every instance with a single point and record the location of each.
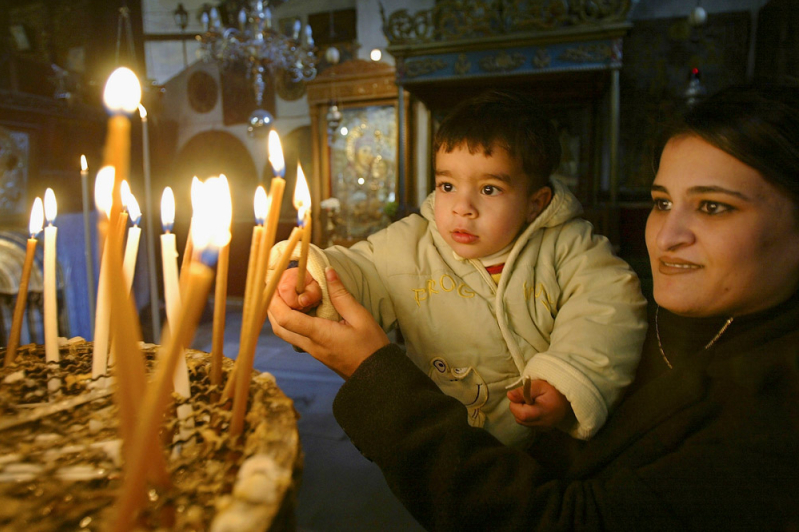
(257, 45)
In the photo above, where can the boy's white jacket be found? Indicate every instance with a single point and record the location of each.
(566, 310)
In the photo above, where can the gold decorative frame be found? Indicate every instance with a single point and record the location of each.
(367, 96)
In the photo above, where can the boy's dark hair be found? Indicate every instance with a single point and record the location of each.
(510, 120)
(757, 123)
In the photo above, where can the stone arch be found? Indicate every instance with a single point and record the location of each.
(207, 154)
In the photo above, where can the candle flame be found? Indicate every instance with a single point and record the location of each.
(124, 193)
(302, 196)
(50, 206)
(276, 154)
(226, 216)
(196, 186)
(211, 231)
(37, 218)
(83, 165)
(260, 205)
(104, 189)
(167, 209)
(142, 112)
(122, 91)
(134, 211)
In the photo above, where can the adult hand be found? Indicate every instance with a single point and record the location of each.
(342, 345)
(547, 408)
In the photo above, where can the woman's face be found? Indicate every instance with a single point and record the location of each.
(722, 240)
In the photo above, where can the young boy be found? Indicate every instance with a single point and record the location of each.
(499, 280)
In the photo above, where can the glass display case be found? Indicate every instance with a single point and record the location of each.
(363, 153)
(354, 121)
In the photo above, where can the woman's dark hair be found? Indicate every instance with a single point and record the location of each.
(509, 120)
(757, 123)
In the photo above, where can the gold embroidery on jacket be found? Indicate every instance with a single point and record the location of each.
(446, 284)
(539, 292)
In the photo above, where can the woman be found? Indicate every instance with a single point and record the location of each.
(706, 438)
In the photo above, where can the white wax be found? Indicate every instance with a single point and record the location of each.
(131, 253)
(169, 261)
(102, 321)
(50, 295)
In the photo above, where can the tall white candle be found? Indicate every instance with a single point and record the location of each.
(103, 194)
(132, 244)
(169, 257)
(50, 295)
(87, 236)
(148, 224)
(169, 262)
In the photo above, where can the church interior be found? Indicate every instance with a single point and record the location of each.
(355, 90)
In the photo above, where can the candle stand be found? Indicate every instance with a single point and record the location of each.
(61, 456)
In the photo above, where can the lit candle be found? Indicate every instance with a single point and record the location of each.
(35, 227)
(148, 223)
(50, 294)
(169, 257)
(173, 298)
(121, 96)
(132, 244)
(250, 328)
(209, 235)
(261, 209)
(126, 354)
(188, 250)
(87, 236)
(247, 355)
(276, 188)
(116, 271)
(251, 294)
(220, 291)
(302, 202)
(103, 187)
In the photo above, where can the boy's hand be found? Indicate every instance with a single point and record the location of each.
(548, 407)
(339, 345)
(287, 290)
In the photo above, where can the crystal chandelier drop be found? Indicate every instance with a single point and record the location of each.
(256, 44)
